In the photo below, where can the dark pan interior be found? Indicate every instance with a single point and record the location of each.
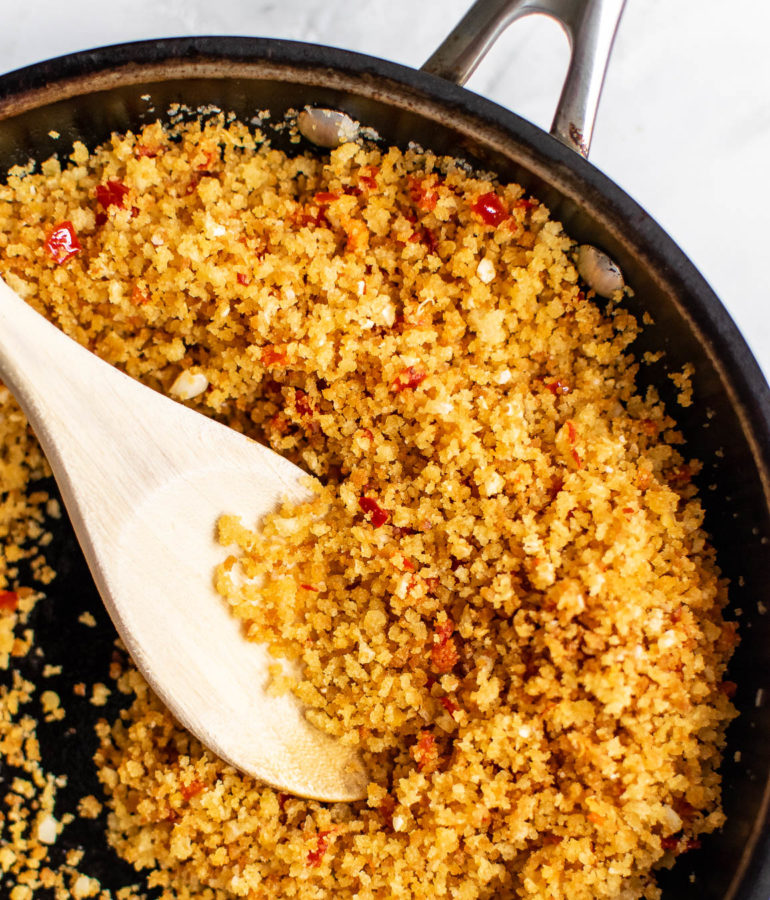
(89, 95)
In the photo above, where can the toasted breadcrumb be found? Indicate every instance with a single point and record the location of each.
(89, 807)
(100, 694)
(683, 380)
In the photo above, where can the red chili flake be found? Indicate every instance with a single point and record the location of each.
(314, 857)
(144, 150)
(628, 510)
(368, 176)
(409, 379)
(572, 436)
(489, 207)
(728, 688)
(311, 215)
(423, 192)
(559, 387)
(368, 434)
(274, 356)
(425, 752)
(112, 194)
(9, 601)
(192, 789)
(101, 218)
(372, 508)
(443, 653)
(62, 243)
(138, 297)
(525, 203)
(134, 212)
(324, 198)
(309, 587)
(595, 818)
(302, 403)
(449, 705)
(243, 279)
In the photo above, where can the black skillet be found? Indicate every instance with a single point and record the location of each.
(86, 96)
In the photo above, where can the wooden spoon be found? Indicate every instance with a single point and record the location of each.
(144, 480)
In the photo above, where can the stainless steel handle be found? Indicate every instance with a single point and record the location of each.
(590, 26)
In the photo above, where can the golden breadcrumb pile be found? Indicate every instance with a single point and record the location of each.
(502, 593)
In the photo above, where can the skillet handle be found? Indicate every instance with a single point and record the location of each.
(590, 26)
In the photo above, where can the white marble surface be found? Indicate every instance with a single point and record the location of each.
(684, 125)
